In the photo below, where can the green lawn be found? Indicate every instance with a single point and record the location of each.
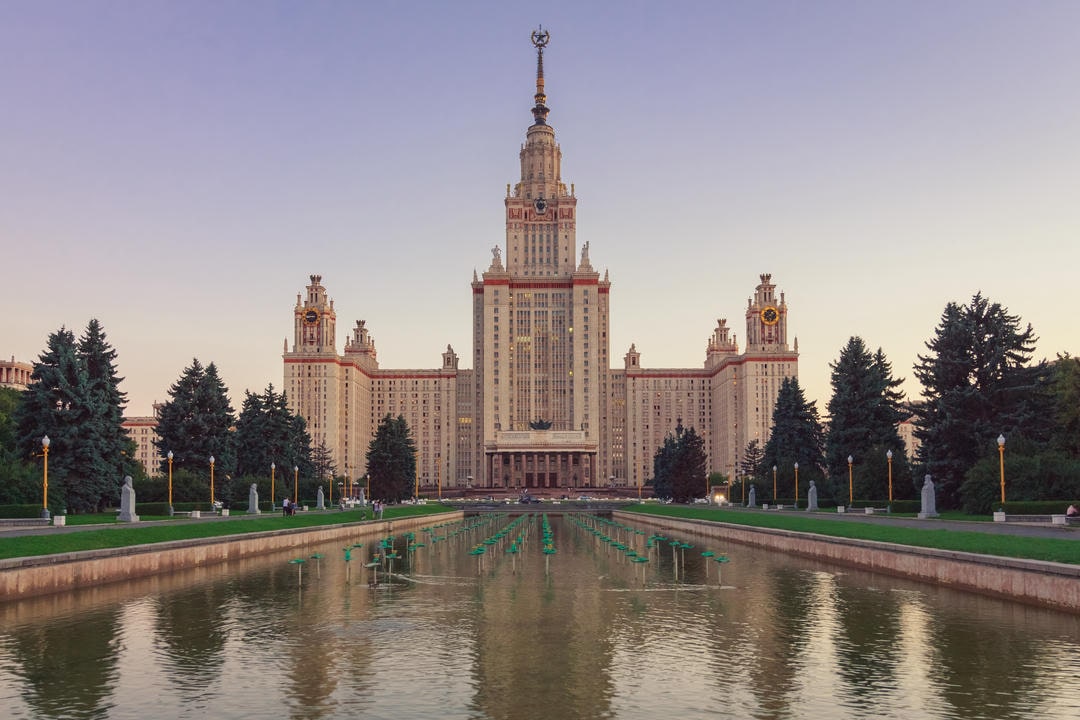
(123, 534)
(1065, 550)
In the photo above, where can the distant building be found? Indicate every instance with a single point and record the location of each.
(143, 430)
(906, 429)
(15, 374)
(541, 409)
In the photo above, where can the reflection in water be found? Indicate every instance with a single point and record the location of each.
(66, 669)
(448, 635)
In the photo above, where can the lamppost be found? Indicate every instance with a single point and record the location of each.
(273, 503)
(367, 491)
(348, 485)
(774, 483)
(888, 456)
(170, 457)
(45, 479)
(438, 479)
(211, 480)
(796, 484)
(850, 485)
(296, 484)
(1001, 464)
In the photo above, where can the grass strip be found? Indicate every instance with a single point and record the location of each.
(1065, 550)
(139, 534)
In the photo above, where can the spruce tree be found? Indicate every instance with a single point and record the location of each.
(688, 473)
(267, 431)
(864, 412)
(663, 464)
(796, 436)
(979, 382)
(391, 460)
(196, 423)
(116, 449)
(56, 404)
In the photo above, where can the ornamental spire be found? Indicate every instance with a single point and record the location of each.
(540, 38)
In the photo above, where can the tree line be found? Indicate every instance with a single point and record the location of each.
(979, 383)
(75, 399)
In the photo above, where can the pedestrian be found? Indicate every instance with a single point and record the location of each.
(1072, 511)
(285, 508)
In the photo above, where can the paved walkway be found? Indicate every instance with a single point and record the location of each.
(8, 531)
(1058, 532)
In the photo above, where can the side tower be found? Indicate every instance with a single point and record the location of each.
(746, 386)
(312, 369)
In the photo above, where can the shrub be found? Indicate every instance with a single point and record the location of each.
(20, 511)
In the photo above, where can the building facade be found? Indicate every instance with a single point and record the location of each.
(16, 375)
(542, 409)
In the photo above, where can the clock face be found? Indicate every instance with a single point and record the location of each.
(311, 317)
(540, 205)
(770, 315)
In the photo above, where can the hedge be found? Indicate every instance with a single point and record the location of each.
(1037, 507)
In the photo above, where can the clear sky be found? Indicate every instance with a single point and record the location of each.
(178, 169)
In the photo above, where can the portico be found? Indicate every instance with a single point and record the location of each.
(540, 460)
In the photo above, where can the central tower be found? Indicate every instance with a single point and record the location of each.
(540, 329)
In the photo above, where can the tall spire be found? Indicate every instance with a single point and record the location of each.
(540, 38)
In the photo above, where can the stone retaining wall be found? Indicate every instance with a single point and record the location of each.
(1055, 585)
(26, 577)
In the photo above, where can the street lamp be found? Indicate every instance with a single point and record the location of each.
(170, 457)
(273, 503)
(888, 456)
(296, 484)
(45, 479)
(1001, 464)
(850, 485)
(796, 484)
(774, 483)
(211, 481)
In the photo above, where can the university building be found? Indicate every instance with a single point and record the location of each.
(541, 409)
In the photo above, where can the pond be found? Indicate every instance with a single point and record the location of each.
(584, 632)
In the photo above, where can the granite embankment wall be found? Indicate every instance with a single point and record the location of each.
(1055, 585)
(27, 577)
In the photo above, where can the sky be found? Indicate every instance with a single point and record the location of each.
(178, 170)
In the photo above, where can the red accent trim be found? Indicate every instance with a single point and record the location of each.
(435, 373)
(645, 374)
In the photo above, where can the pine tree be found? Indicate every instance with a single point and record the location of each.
(391, 460)
(796, 436)
(979, 383)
